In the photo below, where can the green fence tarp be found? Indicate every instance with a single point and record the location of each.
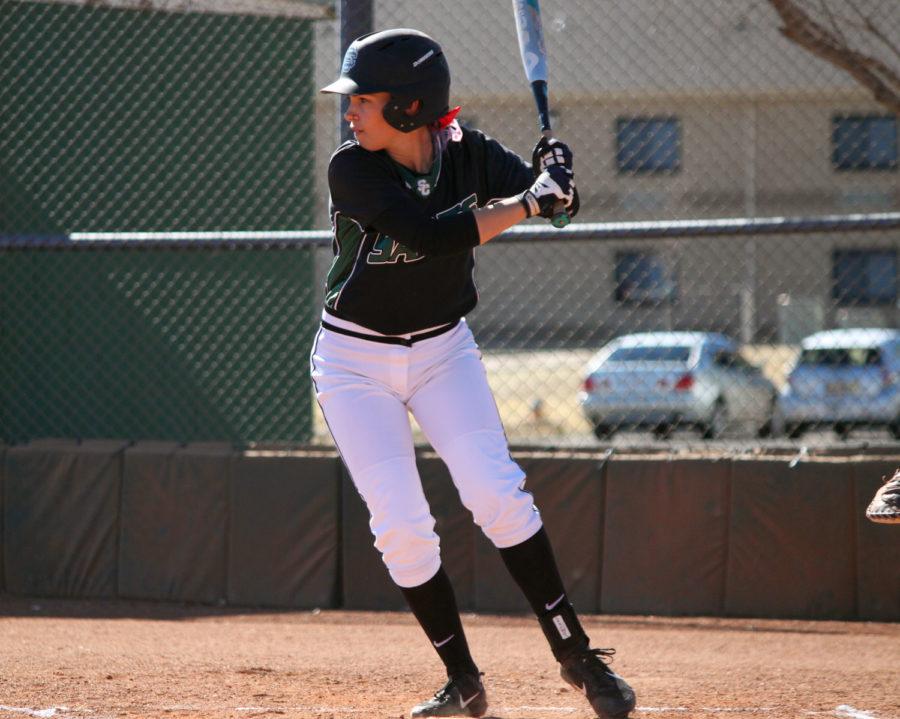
(792, 540)
(2, 503)
(284, 530)
(877, 546)
(666, 535)
(60, 518)
(174, 519)
(118, 120)
(156, 344)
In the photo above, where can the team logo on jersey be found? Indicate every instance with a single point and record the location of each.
(389, 252)
(423, 187)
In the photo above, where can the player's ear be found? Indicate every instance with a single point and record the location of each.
(413, 108)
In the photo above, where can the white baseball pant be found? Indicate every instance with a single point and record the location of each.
(365, 389)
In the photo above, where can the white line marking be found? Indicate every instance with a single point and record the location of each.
(661, 709)
(301, 710)
(845, 710)
(528, 708)
(33, 712)
(711, 710)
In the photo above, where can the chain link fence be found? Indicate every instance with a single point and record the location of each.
(651, 320)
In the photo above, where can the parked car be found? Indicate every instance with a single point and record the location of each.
(843, 379)
(665, 380)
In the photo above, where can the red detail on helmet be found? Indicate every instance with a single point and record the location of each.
(442, 122)
(685, 383)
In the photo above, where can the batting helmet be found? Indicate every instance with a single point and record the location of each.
(406, 63)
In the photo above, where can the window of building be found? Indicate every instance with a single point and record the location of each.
(864, 142)
(648, 144)
(864, 277)
(643, 277)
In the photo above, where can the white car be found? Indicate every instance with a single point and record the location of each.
(843, 379)
(664, 380)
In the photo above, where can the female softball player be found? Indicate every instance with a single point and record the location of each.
(411, 196)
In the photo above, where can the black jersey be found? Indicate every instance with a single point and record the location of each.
(403, 241)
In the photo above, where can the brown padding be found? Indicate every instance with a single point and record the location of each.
(3, 449)
(365, 581)
(568, 493)
(367, 584)
(665, 536)
(877, 546)
(174, 510)
(792, 537)
(284, 531)
(453, 525)
(61, 518)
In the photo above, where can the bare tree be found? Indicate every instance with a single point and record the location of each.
(826, 33)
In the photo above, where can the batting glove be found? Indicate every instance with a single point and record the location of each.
(552, 185)
(548, 152)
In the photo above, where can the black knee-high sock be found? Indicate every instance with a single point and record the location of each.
(533, 567)
(434, 606)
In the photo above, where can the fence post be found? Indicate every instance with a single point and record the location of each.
(356, 17)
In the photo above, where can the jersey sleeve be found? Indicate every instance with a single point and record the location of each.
(508, 174)
(369, 191)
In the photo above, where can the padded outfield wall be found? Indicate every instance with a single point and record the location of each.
(652, 534)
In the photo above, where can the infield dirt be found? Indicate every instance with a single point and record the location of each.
(68, 659)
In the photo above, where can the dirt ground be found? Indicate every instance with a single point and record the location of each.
(63, 659)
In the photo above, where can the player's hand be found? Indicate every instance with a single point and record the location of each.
(549, 152)
(554, 184)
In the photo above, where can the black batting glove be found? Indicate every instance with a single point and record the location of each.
(548, 152)
(554, 184)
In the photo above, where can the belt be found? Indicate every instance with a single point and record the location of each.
(387, 339)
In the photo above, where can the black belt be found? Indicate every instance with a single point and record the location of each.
(392, 340)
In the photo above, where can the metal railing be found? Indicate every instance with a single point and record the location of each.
(732, 183)
(205, 335)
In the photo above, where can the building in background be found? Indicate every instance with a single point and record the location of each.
(685, 109)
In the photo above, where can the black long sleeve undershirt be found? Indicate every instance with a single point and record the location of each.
(408, 224)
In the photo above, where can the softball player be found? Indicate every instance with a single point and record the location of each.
(411, 196)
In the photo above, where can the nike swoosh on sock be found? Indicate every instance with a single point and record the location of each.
(438, 645)
(552, 605)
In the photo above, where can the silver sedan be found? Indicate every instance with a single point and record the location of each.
(664, 380)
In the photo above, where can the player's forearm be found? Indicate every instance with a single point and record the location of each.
(497, 217)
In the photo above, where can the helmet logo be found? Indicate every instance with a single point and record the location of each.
(423, 58)
(423, 187)
(349, 60)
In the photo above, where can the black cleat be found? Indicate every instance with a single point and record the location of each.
(462, 696)
(609, 694)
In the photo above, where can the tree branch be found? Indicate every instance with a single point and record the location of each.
(876, 75)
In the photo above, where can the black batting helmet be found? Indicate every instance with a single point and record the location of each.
(406, 63)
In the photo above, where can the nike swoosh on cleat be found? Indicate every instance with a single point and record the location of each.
(552, 605)
(440, 644)
(464, 704)
(584, 689)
